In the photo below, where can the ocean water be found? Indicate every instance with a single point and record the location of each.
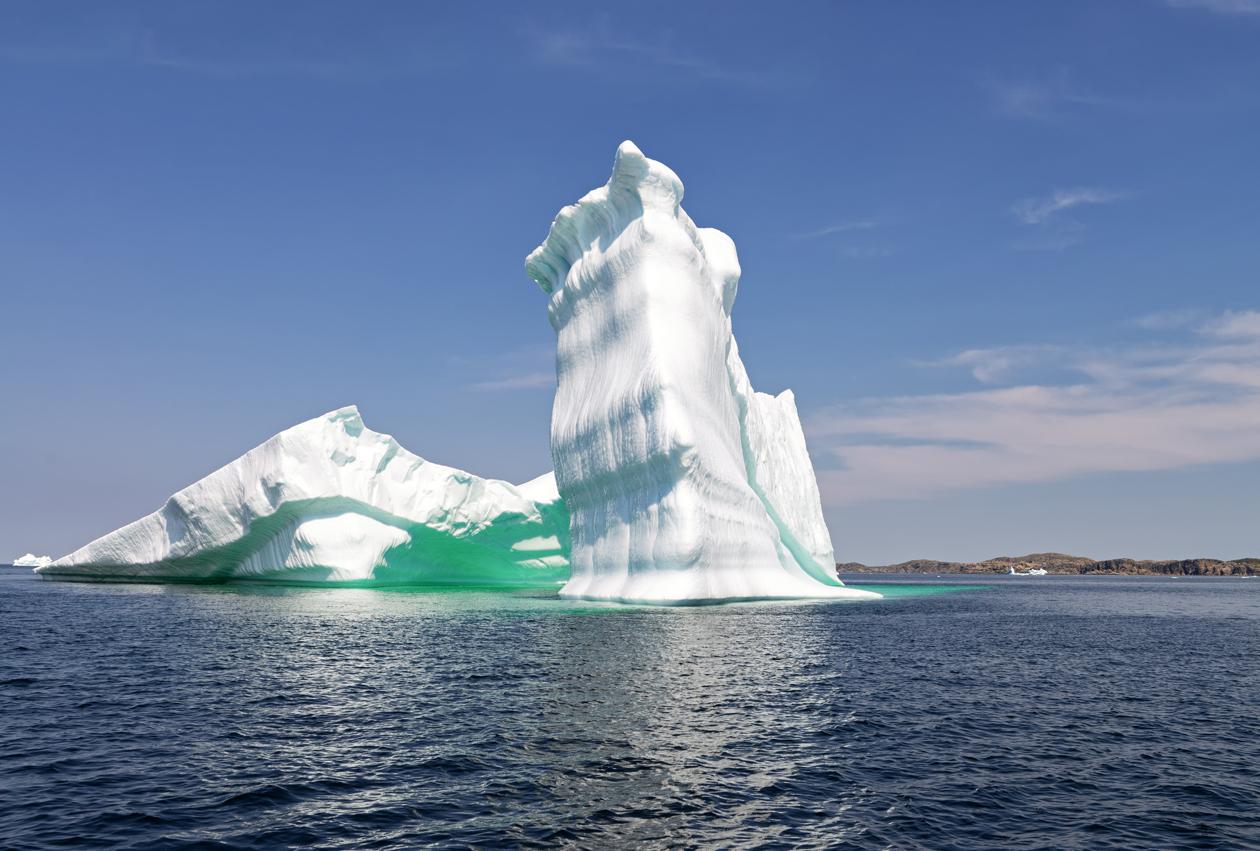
(1059, 712)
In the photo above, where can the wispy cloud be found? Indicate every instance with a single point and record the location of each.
(1164, 320)
(990, 366)
(1221, 7)
(1190, 399)
(601, 44)
(154, 52)
(857, 249)
(1045, 99)
(147, 47)
(1059, 97)
(1234, 323)
(1052, 230)
(839, 227)
(527, 367)
(1036, 211)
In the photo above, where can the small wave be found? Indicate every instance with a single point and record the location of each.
(19, 682)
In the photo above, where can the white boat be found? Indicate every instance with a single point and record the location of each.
(1036, 571)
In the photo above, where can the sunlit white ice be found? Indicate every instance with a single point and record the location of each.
(682, 482)
(331, 501)
(31, 560)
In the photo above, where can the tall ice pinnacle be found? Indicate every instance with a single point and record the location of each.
(683, 484)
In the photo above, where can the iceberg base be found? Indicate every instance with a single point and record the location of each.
(691, 588)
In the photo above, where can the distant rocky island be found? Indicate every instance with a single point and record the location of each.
(1066, 564)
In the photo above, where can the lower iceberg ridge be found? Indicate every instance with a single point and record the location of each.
(329, 501)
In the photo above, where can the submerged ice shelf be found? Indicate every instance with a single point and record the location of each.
(683, 483)
(675, 481)
(330, 501)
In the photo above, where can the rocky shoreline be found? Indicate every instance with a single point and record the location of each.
(1059, 563)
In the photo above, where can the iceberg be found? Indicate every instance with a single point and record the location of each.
(32, 560)
(683, 484)
(330, 501)
(675, 481)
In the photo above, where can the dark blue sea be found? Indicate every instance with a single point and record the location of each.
(1003, 713)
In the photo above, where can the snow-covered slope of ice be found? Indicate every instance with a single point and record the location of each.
(683, 484)
(331, 501)
(32, 560)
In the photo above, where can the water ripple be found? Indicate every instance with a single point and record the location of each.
(1070, 713)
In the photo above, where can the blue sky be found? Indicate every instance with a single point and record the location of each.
(1005, 253)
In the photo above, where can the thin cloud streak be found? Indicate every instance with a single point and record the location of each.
(990, 366)
(528, 381)
(144, 47)
(1164, 320)
(593, 47)
(839, 227)
(1053, 231)
(1232, 323)
(1179, 402)
(1220, 7)
(1058, 99)
(1037, 211)
(1043, 100)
